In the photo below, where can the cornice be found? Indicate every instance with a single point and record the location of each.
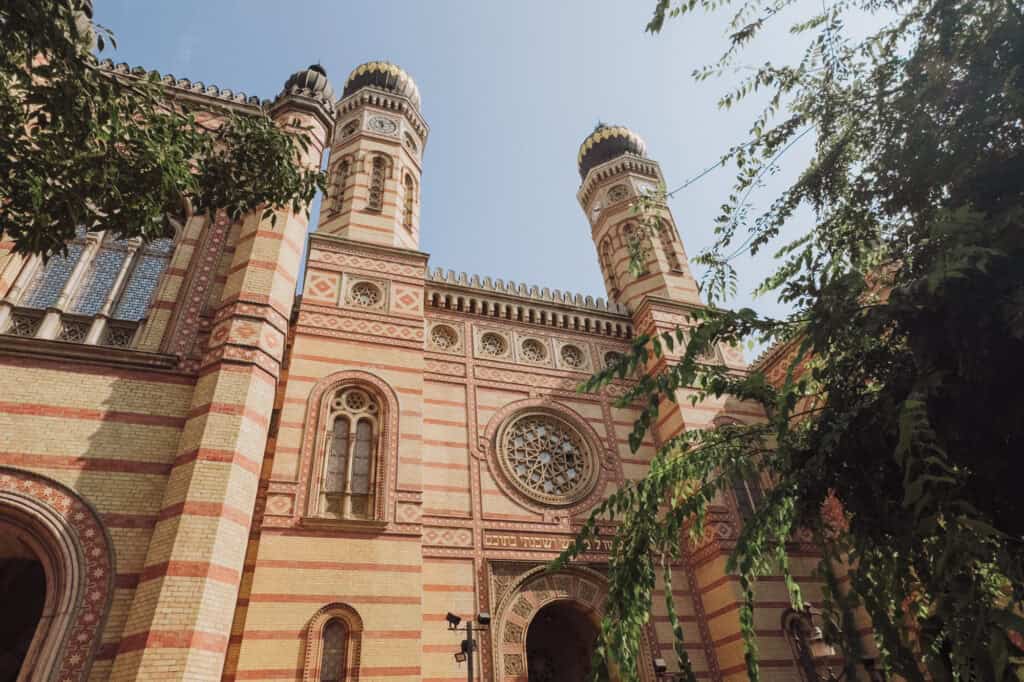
(343, 244)
(627, 163)
(196, 91)
(95, 355)
(384, 100)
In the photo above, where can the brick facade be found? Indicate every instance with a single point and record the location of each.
(199, 449)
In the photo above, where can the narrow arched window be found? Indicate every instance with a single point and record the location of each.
(608, 265)
(410, 194)
(748, 494)
(333, 664)
(337, 191)
(668, 245)
(376, 200)
(349, 465)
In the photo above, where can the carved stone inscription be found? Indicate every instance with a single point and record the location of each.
(540, 543)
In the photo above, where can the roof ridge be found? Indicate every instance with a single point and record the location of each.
(190, 86)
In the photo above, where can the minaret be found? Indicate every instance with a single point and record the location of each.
(375, 164)
(615, 171)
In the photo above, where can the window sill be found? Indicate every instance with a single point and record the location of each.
(357, 525)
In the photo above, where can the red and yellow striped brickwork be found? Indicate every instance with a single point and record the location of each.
(201, 447)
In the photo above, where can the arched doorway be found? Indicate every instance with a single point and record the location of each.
(56, 564)
(533, 607)
(560, 643)
(23, 594)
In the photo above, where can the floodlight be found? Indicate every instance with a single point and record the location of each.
(660, 667)
(460, 657)
(453, 620)
(483, 618)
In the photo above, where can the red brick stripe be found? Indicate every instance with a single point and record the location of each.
(137, 418)
(222, 456)
(107, 464)
(213, 509)
(64, 367)
(190, 569)
(326, 598)
(174, 639)
(339, 566)
(129, 520)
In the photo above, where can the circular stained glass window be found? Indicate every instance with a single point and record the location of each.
(546, 458)
(365, 294)
(444, 337)
(533, 351)
(572, 356)
(492, 344)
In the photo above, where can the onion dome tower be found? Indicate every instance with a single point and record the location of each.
(614, 172)
(307, 90)
(376, 155)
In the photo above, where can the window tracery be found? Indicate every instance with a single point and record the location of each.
(346, 485)
(493, 344)
(533, 350)
(572, 356)
(546, 458)
(444, 337)
(365, 294)
(376, 200)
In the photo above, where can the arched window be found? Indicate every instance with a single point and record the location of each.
(410, 197)
(668, 245)
(337, 191)
(349, 469)
(333, 663)
(608, 265)
(376, 201)
(748, 491)
(333, 645)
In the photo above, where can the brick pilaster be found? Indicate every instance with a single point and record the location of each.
(180, 619)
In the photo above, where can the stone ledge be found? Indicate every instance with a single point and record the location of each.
(96, 355)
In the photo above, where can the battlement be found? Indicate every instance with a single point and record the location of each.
(520, 302)
(184, 85)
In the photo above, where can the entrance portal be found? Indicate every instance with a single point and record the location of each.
(559, 644)
(23, 594)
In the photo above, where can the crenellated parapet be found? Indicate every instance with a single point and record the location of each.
(189, 88)
(528, 304)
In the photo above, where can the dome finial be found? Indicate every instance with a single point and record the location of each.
(607, 142)
(311, 82)
(384, 76)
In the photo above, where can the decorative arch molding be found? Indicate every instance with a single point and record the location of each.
(67, 536)
(315, 641)
(609, 468)
(584, 588)
(314, 438)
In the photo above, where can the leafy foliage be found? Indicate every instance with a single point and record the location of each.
(904, 354)
(82, 147)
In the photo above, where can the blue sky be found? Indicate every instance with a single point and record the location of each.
(510, 89)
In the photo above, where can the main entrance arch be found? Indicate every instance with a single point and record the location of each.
(540, 604)
(67, 555)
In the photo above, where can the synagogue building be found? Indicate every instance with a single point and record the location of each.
(204, 476)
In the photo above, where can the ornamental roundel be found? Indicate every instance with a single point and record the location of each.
(366, 294)
(546, 458)
(493, 344)
(533, 350)
(444, 337)
(572, 356)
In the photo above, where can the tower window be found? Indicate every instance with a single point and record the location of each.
(668, 244)
(376, 201)
(608, 265)
(410, 195)
(337, 190)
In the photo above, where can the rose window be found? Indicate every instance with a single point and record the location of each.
(365, 294)
(493, 344)
(444, 337)
(533, 351)
(572, 356)
(546, 458)
(611, 358)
